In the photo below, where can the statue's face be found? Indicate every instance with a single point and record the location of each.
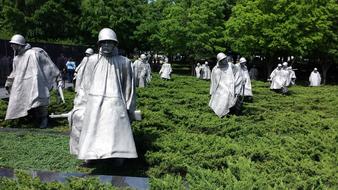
(16, 47)
(107, 46)
(223, 63)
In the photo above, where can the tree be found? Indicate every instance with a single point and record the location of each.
(146, 32)
(194, 28)
(279, 28)
(46, 20)
(53, 20)
(12, 20)
(319, 32)
(122, 16)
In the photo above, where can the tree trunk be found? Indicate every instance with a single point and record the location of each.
(269, 69)
(269, 66)
(325, 67)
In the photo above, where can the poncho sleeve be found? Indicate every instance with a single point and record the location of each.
(50, 71)
(128, 86)
(10, 78)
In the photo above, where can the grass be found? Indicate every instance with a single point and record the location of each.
(278, 142)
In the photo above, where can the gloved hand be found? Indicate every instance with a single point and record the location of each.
(135, 116)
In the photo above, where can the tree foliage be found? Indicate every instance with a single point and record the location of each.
(195, 29)
(147, 31)
(45, 20)
(279, 28)
(122, 16)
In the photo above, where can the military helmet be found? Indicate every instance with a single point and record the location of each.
(107, 34)
(143, 56)
(89, 51)
(221, 56)
(242, 60)
(18, 39)
(285, 64)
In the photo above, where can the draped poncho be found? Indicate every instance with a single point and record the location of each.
(32, 77)
(108, 107)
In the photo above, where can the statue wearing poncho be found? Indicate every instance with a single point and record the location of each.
(108, 105)
(246, 77)
(166, 70)
(206, 71)
(29, 83)
(142, 71)
(315, 78)
(278, 81)
(222, 88)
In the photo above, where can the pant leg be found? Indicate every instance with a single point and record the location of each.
(40, 114)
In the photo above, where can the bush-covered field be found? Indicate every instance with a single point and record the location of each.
(25, 181)
(278, 142)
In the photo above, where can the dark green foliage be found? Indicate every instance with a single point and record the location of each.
(196, 29)
(168, 182)
(122, 16)
(281, 142)
(24, 181)
(278, 142)
(297, 27)
(192, 28)
(28, 150)
(274, 29)
(41, 20)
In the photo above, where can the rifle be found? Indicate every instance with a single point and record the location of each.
(63, 115)
(61, 94)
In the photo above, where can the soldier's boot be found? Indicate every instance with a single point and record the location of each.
(43, 122)
(248, 98)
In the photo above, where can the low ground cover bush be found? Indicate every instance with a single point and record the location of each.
(278, 142)
(24, 181)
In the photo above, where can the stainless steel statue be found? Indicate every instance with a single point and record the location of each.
(29, 83)
(105, 105)
(315, 78)
(198, 70)
(206, 73)
(81, 68)
(166, 70)
(222, 88)
(279, 78)
(142, 71)
(246, 78)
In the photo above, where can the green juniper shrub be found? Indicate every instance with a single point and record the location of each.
(24, 181)
(279, 142)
